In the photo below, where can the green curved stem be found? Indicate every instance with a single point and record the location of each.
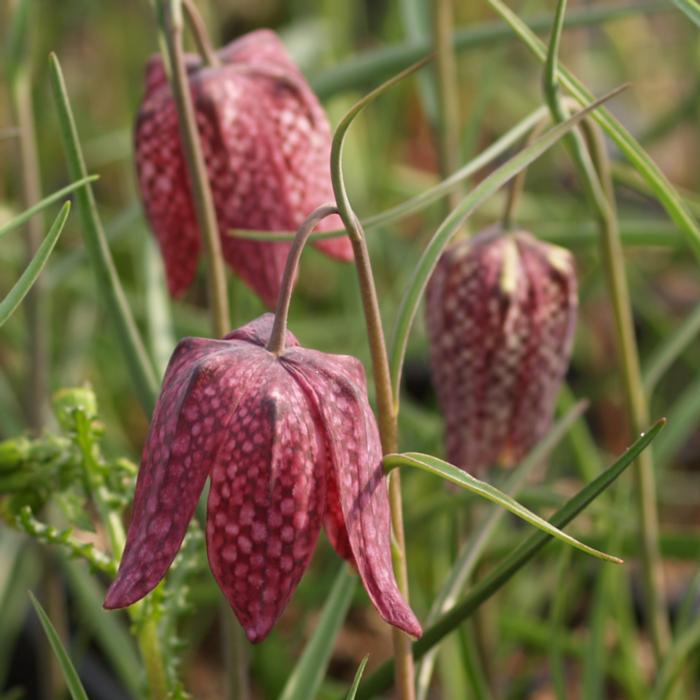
(593, 167)
(199, 32)
(386, 410)
(486, 188)
(276, 343)
(420, 201)
(196, 169)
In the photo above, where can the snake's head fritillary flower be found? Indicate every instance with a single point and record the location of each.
(500, 311)
(290, 443)
(266, 144)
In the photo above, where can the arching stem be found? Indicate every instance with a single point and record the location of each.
(279, 329)
(517, 186)
(592, 163)
(196, 169)
(200, 34)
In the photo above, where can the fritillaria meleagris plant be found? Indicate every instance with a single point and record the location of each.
(290, 443)
(501, 311)
(266, 143)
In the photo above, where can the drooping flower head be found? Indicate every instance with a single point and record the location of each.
(289, 442)
(266, 144)
(501, 312)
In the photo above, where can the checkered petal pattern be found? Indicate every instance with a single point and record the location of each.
(266, 145)
(500, 311)
(290, 444)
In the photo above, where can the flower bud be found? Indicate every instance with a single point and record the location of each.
(501, 312)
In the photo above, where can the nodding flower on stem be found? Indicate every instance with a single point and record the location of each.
(501, 312)
(289, 442)
(266, 144)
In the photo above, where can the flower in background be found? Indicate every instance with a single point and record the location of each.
(289, 442)
(266, 144)
(501, 311)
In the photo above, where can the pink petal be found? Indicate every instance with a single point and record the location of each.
(258, 332)
(500, 320)
(202, 385)
(333, 519)
(266, 499)
(163, 184)
(356, 462)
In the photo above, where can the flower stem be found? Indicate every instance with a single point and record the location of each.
(594, 169)
(386, 409)
(196, 168)
(279, 328)
(448, 104)
(517, 186)
(200, 34)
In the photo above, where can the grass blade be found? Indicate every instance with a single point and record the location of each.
(690, 9)
(422, 200)
(683, 421)
(676, 660)
(457, 476)
(311, 668)
(501, 574)
(472, 549)
(371, 67)
(635, 154)
(70, 675)
(485, 189)
(20, 289)
(47, 201)
(108, 631)
(358, 677)
(670, 349)
(110, 288)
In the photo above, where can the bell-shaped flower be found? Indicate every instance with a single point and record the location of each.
(289, 442)
(266, 143)
(500, 312)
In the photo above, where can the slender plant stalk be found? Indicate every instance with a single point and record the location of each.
(448, 102)
(109, 285)
(35, 302)
(276, 343)
(196, 169)
(517, 186)
(147, 635)
(386, 410)
(199, 32)
(594, 169)
(237, 679)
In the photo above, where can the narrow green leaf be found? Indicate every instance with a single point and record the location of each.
(690, 9)
(70, 675)
(14, 297)
(676, 659)
(683, 419)
(47, 201)
(422, 200)
(670, 349)
(485, 189)
(16, 43)
(457, 476)
(341, 130)
(358, 677)
(370, 67)
(159, 323)
(310, 670)
(108, 631)
(381, 679)
(110, 288)
(635, 154)
(471, 551)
